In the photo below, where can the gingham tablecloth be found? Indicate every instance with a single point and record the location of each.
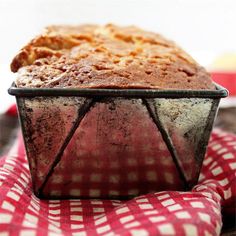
(163, 213)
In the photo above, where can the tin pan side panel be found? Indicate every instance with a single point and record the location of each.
(114, 147)
(185, 125)
(116, 152)
(46, 123)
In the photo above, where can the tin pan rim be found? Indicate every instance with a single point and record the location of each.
(220, 92)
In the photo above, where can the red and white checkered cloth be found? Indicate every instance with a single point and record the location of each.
(164, 213)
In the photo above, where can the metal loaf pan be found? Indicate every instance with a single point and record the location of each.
(114, 143)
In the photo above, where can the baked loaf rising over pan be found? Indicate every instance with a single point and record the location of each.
(92, 56)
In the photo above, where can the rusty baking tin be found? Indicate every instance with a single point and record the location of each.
(114, 143)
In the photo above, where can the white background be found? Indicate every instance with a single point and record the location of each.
(205, 28)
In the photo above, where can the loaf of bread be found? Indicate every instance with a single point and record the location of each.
(92, 56)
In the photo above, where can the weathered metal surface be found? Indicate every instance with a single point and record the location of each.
(115, 146)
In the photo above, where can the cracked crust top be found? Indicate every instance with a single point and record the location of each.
(91, 56)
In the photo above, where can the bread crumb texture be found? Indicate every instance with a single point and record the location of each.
(92, 56)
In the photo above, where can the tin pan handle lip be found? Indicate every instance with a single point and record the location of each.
(220, 92)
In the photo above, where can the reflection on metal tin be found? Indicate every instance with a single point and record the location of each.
(103, 146)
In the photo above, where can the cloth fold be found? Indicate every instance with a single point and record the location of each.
(163, 213)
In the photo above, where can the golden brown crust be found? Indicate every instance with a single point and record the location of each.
(91, 56)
